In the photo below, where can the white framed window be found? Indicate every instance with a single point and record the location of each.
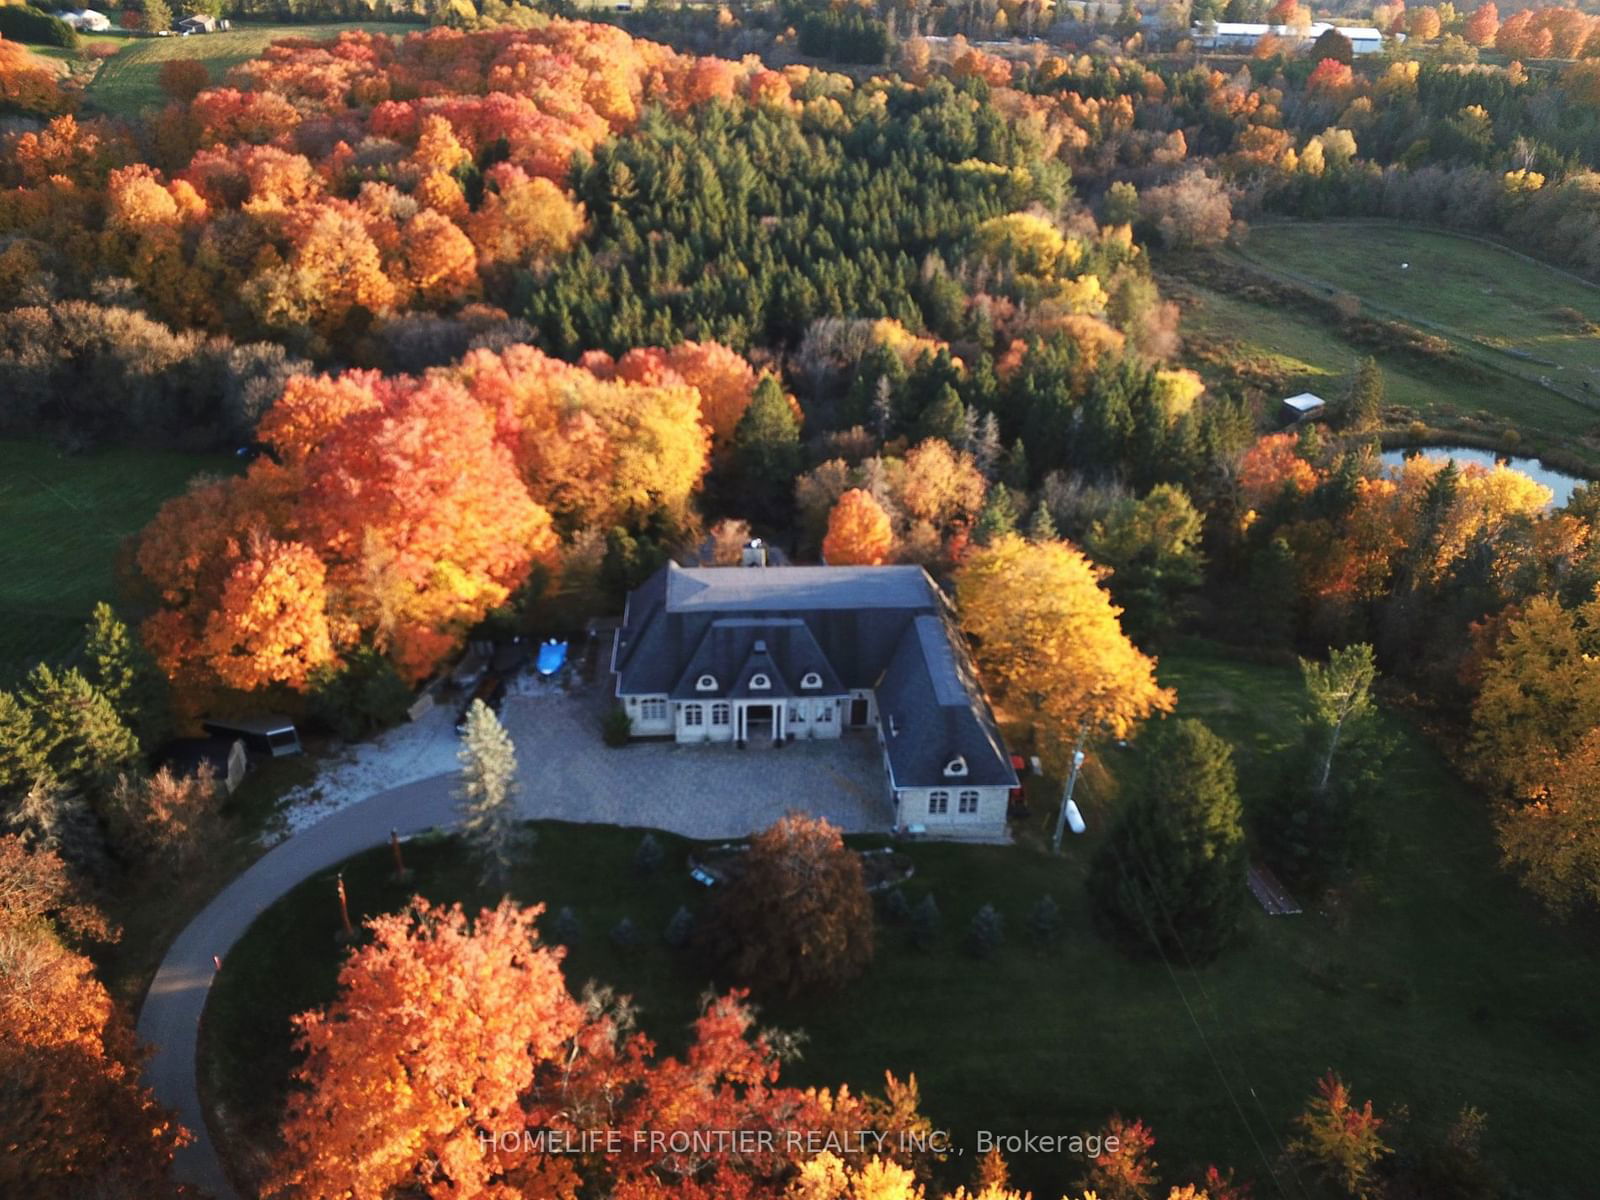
(653, 709)
(938, 803)
(796, 712)
(706, 683)
(967, 802)
(694, 714)
(719, 714)
(825, 711)
(759, 682)
(811, 680)
(955, 768)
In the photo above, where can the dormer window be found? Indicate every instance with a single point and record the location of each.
(760, 682)
(706, 683)
(811, 680)
(955, 768)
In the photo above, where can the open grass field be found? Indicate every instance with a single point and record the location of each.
(1433, 984)
(1471, 289)
(127, 82)
(62, 518)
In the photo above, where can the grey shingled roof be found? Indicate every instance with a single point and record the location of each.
(932, 709)
(791, 589)
(728, 643)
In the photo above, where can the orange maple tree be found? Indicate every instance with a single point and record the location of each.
(859, 531)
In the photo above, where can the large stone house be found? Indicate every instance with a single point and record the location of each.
(762, 655)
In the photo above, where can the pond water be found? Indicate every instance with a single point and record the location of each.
(1558, 482)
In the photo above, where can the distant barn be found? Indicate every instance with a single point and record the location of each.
(1244, 35)
(86, 20)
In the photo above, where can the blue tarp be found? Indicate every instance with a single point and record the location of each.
(552, 656)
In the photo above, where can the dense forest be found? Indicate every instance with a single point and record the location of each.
(499, 316)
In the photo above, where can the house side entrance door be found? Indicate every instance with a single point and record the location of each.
(858, 712)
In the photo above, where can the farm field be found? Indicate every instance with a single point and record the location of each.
(127, 82)
(1475, 291)
(62, 519)
(1434, 984)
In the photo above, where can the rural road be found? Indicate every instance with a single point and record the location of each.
(169, 1021)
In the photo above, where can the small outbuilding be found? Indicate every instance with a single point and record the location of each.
(199, 23)
(270, 734)
(86, 20)
(1304, 407)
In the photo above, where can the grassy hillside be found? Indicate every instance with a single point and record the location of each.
(1432, 982)
(1469, 289)
(61, 521)
(128, 82)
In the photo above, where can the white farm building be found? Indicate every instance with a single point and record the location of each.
(1243, 35)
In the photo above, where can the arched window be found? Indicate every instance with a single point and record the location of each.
(967, 802)
(938, 803)
(811, 680)
(706, 683)
(759, 682)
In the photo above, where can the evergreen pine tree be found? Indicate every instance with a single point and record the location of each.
(766, 445)
(157, 16)
(1041, 525)
(680, 928)
(565, 928)
(1173, 868)
(944, 418)
(23, 760)
(1362, 410)
(487, 793)
(123, 670)
(77, 729)
(999, 516)
(1044, 922)
(625, 935)
(1014, 467)
(648, 857)
(986, 933)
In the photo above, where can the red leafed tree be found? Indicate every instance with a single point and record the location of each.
(449, 1040)
(859, 531)
(1483, 25)
(184, 78)
(1339, 1137)
(419, 514)
(1124, 1170)
(74, 1119)
(270, 625)
(1270, 467)
(401, 1073)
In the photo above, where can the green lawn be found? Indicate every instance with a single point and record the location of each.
(62, 518)
(127, 82)
(1436, 984)
(1473, 290)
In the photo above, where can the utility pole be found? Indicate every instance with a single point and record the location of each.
(344, 910)
(1072, 782)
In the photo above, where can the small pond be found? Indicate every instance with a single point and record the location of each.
(1558, 482)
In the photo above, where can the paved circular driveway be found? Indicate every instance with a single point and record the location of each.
(566, 774)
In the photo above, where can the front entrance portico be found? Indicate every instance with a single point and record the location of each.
(763, 718)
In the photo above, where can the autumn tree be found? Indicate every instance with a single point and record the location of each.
(166, 820)
(1539, 698)
(1340, 1139)
(74, 1118)
(859, 531)
(1125, 1169)
(1047, 639)
(488, 793)
(157, 16)
(182, 78)
(1553, 843)
(1482, 25)
(1152, 546)
(399, 1075)
(1361, 408)
(1172, 872)
(797, 917)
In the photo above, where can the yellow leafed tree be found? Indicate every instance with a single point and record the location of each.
(1050, 643)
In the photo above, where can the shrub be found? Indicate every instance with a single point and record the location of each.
(896, 907)
(648, 857)
(1044, 922)
(361, 697)
(184, 78)
(618, 728)
(625, 935)
(23, 23)
(565, 929)
(986, 933)
(680, 928)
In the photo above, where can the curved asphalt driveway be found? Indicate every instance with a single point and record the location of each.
(169, 1021)
(566, 774)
